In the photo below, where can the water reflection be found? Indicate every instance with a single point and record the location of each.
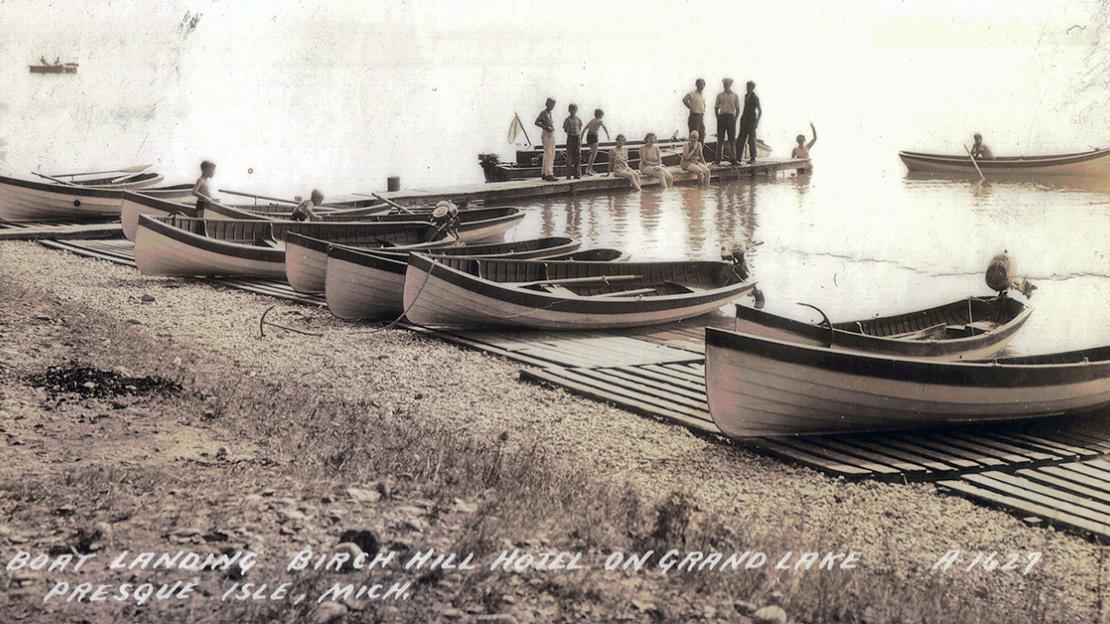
(856, 248)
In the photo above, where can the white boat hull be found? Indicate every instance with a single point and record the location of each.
(751, 395)
(1088, 164)
(49, 202)
(159, 254)
(305, 268)
(355, 291)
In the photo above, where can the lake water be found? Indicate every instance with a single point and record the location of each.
(286, 96)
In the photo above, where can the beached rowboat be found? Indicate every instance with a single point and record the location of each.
(764, 387)
(474, 225)
(365, 284)
(1093, 163)
(188, 246)
(457, 292)
(975, 328)
(34, 201)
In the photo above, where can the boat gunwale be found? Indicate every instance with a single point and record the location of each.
(1010, 372)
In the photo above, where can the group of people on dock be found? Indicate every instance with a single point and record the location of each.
(727, 109)
(730, 146)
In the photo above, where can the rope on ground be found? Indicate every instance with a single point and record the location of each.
(262, 322)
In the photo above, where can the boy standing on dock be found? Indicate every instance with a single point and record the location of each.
(547, 136)
(695, 102)
(572, 125)
(748, 123)
(728, 105)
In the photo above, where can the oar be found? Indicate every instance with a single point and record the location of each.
(972, 157)
(581, 280)
(392, 203)
(255, 196)
(131, 169)
(53, 179)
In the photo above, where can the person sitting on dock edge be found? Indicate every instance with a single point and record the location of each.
(694, 160)
(572, 125)
(651, 162)
(547, 137)
(202, 190)
(305, 210)
(592, 138)
(801, 151)
(695, 102)
(979, 149)
(749, 121)
(618, 164)
(726, 108)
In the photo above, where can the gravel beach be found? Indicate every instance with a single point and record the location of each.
(294, 441)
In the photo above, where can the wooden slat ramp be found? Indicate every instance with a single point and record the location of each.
(1057, 470)
(60, 230)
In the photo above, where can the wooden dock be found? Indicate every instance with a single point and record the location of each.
(1057, 471)
(60, 230)
(535, 187)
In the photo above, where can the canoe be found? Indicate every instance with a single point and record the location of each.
(529, 162)
(365, 284)
(1092, 163)
(765, 387)
(175, 246)
(283, 211)
(975, 328)
(460, 292)
(598, 254)
(34, 201)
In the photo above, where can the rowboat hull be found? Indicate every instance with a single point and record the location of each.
(761, 387)
(162, 249)
(252, 248)
(306, 261)
(134, 204)
(361, 284)
(440, 296)
(364, 286)
(953, 342)
(1087, 164)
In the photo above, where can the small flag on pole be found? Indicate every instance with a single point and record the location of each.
(516, 128)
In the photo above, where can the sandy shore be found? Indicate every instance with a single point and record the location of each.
(444, 448)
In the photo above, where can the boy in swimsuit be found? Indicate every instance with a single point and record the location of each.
(592, 138)
(304, 210)
(202, 190)
(802, 150)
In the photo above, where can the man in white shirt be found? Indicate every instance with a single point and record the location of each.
(726, 108)
(695, 101)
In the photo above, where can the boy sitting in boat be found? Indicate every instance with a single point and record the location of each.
(305, 211)
(979, 149)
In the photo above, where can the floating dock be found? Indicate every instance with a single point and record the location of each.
(1056, 471)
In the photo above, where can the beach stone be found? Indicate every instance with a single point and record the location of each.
(772, 614)
(363, 539)
(352, 551)
(147, 298)
(496, 618)
(362, 495)
(743, 607)
(329, 613)
(291, 515)
(451, 613)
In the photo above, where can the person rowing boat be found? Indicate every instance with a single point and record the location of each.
(979, 150)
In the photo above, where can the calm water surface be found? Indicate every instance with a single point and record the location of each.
(881, 244)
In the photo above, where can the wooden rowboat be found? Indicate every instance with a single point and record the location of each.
(474, 226)
(458, 292)
(764, 387)
(976, 328)
(188, 246)
(34, 201)
(365, 284)
(1093, 163)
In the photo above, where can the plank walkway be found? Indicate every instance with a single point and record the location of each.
(59, 230)
(1056, 470)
